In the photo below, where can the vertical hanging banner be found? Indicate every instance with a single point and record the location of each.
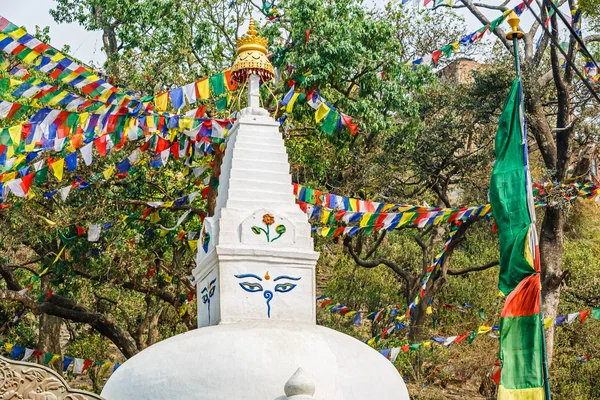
(521, 341)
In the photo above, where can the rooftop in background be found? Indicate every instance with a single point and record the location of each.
(460, 70)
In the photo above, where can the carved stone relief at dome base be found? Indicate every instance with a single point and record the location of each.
(28, 381)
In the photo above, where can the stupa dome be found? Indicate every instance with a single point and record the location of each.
(253, 361)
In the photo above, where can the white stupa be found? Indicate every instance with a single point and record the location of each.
(255, 275)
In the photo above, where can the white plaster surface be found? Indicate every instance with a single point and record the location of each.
(255, 181)
(253, 361)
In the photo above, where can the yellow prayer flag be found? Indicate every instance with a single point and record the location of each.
(193, 244)
(17, 33)
(365, 219)
(57, 57)
(54, 358)
(108, 172)
(290, 105)
(8, 177)
(186, 123)
(203, 89)
(325, 230)
(322, 112)
(58, 167)
(429, 310)
(548, 322)
(15, 82)
(56, 99)
(30, 195)
(483, 329)
(59, 254)
(154, 217)
(15, 134)
(405, 218)
(105, 368)
(46, 220)
(44, 271)
(168, 204)
(427, 343)
(28, 59)
(168, 278)
(10, 151)
(83, 117)
(325, 216)
(455, 45)
(8, 347)
(29, 147)
(350, 314)
(182, 310)
(371, 342)
(160, 101)
(105, 96)
(70, 77)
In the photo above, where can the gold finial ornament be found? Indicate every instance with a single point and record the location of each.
(513, 21)
(252, 57)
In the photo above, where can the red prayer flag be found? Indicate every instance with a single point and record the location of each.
(101, 145)
(26, 182)
(583, 315)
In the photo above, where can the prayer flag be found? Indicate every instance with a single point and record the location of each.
(160, 101)
(520, 325)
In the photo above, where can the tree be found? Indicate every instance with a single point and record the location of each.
(555, 102)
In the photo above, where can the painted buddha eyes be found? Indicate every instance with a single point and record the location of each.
(284, 287)
(254, 287)
(251, 287)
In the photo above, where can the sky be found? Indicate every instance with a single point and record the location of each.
(87, 46)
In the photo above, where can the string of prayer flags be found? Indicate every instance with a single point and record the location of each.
(332, 119)
(17, 42)
(201, 89)
(451, 48)
(80, 365)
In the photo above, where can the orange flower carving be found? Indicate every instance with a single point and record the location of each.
(268, 219)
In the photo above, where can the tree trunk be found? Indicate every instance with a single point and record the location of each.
(211, 198)
(49, 330)
(551, 250)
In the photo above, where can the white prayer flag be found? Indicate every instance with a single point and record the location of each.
(94, 232)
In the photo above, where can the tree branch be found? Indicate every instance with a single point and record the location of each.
(472, 269)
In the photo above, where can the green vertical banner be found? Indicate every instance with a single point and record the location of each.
(521, 332)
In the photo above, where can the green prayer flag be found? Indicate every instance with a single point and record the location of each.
(508, 196)
(494, 24)
(481, 314)
(4, 85)
(217, 83)
(415, 346)
(41, 175)
(330, 122)
(221, 103)
(47, 358)
(596, 313)
(472, 336)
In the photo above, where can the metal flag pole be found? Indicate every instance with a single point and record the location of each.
(515, 35)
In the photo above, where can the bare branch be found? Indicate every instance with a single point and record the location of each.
(472, 269)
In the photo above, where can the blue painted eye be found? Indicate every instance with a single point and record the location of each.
(251, 287)
(285, 287)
